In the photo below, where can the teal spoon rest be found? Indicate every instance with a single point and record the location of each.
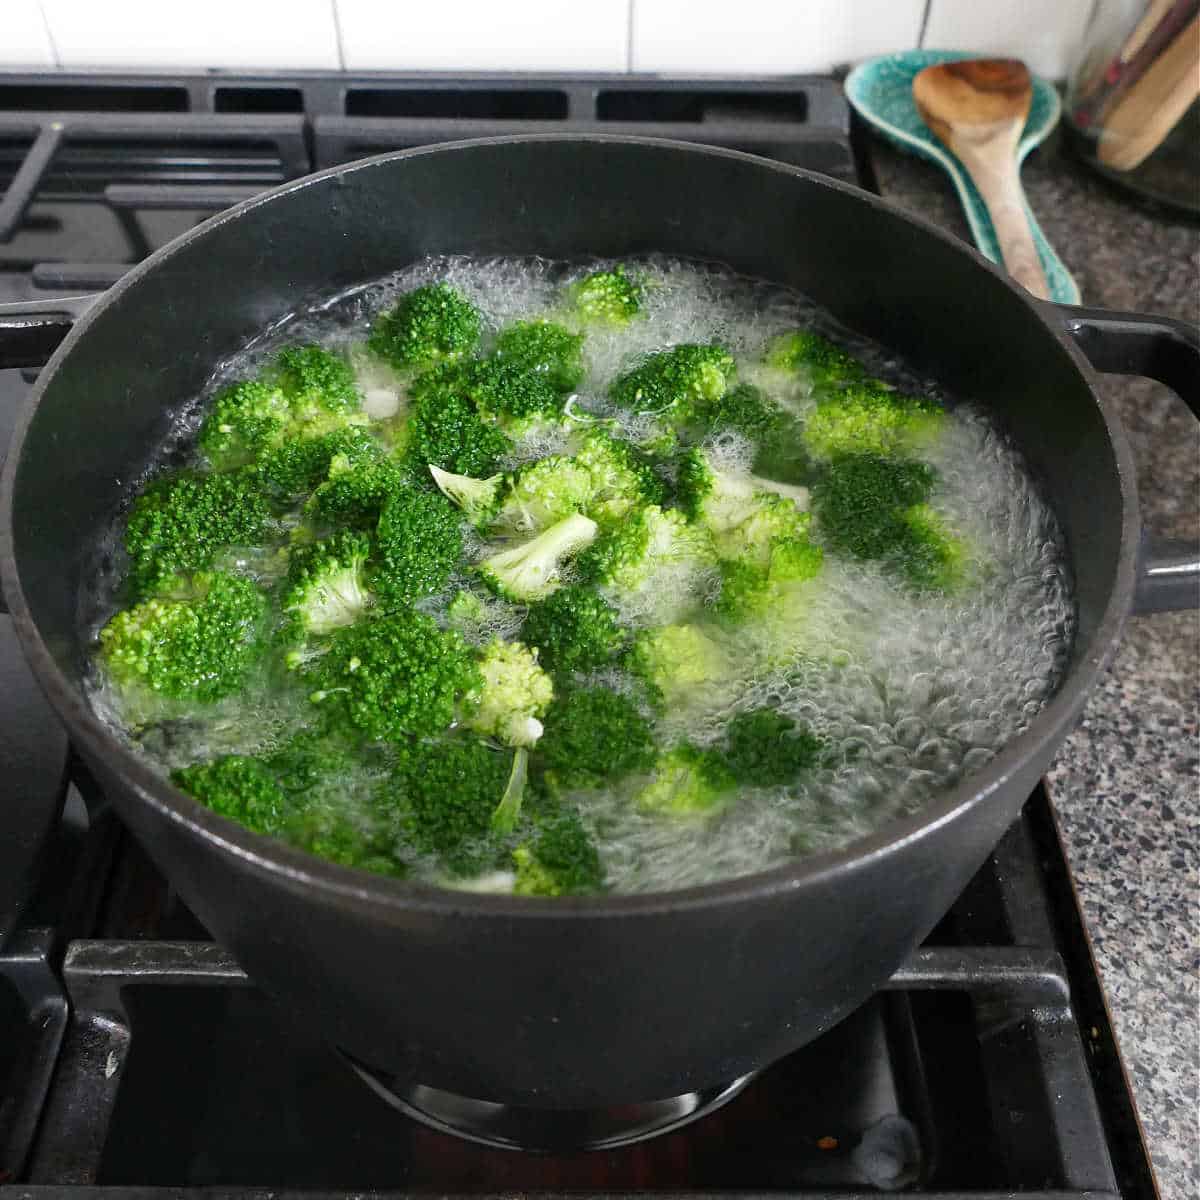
(881, 93)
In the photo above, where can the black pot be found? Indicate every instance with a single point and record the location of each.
(592, 1001)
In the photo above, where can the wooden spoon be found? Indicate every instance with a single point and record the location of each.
(977, 109)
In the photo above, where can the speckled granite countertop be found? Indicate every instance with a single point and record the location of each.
(1127, 782)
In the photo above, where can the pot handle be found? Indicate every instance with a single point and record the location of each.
(30, 330)
(1168, 350)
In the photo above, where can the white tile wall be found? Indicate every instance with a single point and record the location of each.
(1046, 34)
(24, 41)
(768, 36)
(485, 35)
(194, 34)
(668, 36)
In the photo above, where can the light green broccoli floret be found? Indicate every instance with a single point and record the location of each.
(326, 584)
(195, 640)
(477, 498)
(543, 348)
(825, 364)
(754, 588)
(623, 477)
(677, 662)
(724, 500)
(541, 494)
(239, 787)
(673, 383)
(515, 692)
(870, 419)
(245, 419)
(430, 324)
(467, 612)
(612, 297)
(532, 570)
(688, 782)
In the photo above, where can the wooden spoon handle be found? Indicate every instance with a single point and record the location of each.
(999, 184)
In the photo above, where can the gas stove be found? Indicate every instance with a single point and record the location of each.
(136, 1059)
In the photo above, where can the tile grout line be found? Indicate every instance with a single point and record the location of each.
(629, 37)
(49, 35)
(337, 33)
(925, 14)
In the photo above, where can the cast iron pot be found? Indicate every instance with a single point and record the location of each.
(593, 1001)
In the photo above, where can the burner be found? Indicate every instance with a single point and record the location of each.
(546, 1131)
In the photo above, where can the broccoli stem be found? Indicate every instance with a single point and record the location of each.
(508, 811)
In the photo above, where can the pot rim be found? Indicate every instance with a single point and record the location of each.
(299, 870)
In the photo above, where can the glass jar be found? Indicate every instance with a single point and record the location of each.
(1132, 108)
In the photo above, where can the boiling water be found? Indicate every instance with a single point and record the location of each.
(911, 693)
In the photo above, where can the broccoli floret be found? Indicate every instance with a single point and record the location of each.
(825, 364)
(468, 613)
(532, 570)
(677, 661)
(181, 522)
(612, 297)
(753, 589)
(510, 395)
(477, 499)
(238, 787)
(931, 556)
(688, 781)
(326, 584)
(393, 676)
(355, 491)
(245, 419)
(671, 382)
(417, 546)
(764, 748)
(196, 640)
(640, 553)
(575, 629)
(446, 793)
(430, 324)
(542, 493)
(870, 419)
(446, 430)
(593, 734)
(623, 478)
(305, 761)
(318, 385)
(745, 409)
(296, 466)
(560, 859)
(514, 693)
(543, 348)
(723, 500)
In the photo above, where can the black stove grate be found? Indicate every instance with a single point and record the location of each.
(136, 1060)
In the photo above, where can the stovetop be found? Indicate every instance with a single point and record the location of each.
(137, 1060)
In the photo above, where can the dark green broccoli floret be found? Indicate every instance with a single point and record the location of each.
(245, 419)
(194, 641)
(532, 570)
(875, 508)
(306, 760)
(445, 429)
(764, 748)
(825, 364)
(430, 324)
(592, 734)
(869, 418)
(746, 409)
(446, 793)
(326, 583)
(575, 629)
(316, 382)
(688, 781)
(543, 348)
(613, 296)
(237, 787)
(298, 465)
(638, 553)
(393, 676)
(417, 545)
(560, 859)
(355, 491)
(670, 382)
(181, 522)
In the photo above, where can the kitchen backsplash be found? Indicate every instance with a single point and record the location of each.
(666, 36)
